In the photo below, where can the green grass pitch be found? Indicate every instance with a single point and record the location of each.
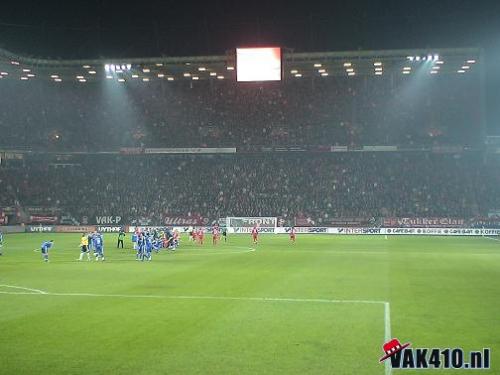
(304, 308)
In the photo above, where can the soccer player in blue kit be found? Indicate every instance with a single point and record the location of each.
(98, 245)
(44, 248)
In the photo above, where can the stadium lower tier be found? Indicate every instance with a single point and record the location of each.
(288, 185)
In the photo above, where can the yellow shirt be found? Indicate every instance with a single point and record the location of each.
(84, 241)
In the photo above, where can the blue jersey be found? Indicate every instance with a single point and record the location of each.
(97, 241)
(46, 246)
(134, 237)
(149, 244)
(141, 242)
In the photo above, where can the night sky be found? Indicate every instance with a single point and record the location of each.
(89, 29)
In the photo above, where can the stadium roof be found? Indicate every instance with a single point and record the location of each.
(295, 65)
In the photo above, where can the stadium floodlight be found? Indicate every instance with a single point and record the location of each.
(220, 77)
(351, 74)
(109, 77)
(294, 71)
(471, 61)
(170, 78)
(298, 75)
(24, 78)
(465, 67)
(411, 58)
(159, 64)
(434, 71)
(124, 67)
(13, 62)
(436, 67)
(86, 66)
(92, 72)
(146, 70)
(117, 67)
(349, 70)
(378, 73)
(407, 68)
(187, 74)
(213, 74)
(347, 64)
(202, 68)
(429, 57)
(230, 68)
(321, 70)
(112, 67)
(377, 63)
(436, 57)
(417, 58)
(57, 80)
(80, 77)
(128, 66)
(135, 76)
(161, 75)
(4, 73)
(25, 70)
(195, 78)
(145, 79)
(460, 71)
(324, 74)
(378, 69)
(406, 71)
(31, 75)
(82, 80)
(440, 62)
(121, 80)
(317, 65)
(106, 67)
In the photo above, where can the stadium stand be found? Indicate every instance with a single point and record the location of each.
(333, 111)
(321, 186)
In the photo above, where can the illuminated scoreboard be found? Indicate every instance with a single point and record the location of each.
(258, 64)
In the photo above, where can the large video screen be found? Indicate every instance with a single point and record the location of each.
(258, 64)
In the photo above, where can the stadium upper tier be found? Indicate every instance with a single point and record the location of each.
(408, 98)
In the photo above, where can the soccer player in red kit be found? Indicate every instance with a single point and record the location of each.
(200, 236)
(255, 234)
(215, 234)
(292, 234)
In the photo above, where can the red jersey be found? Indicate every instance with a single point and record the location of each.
(255, 232)
(200, 233)
(215, 231)
(292, 232)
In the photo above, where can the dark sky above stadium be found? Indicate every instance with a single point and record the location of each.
(84, 29)
(103, 28)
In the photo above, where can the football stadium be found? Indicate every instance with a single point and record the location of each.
(262, 208)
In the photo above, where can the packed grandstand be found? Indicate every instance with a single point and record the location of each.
(344, 135)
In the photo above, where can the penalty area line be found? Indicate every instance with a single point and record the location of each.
(18, 290)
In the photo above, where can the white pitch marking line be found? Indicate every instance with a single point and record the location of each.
(387, 333)
(22, 288)
(228, 298)
(248, 250)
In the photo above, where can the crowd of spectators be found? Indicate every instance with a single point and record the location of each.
(320, 185)
(364, 110)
